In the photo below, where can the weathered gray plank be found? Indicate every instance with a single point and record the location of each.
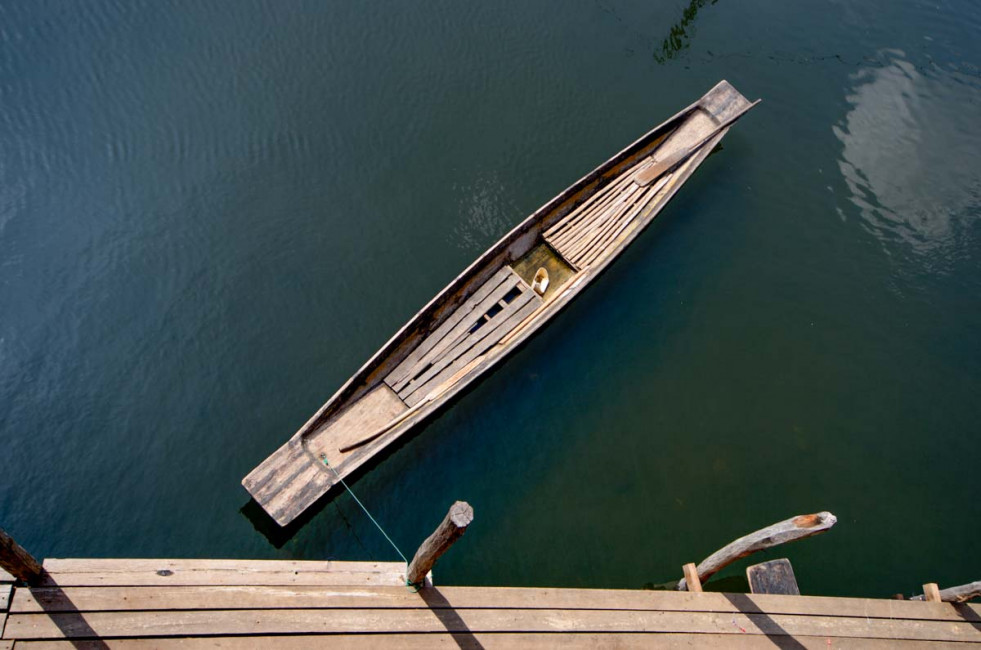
(500, 328)
(5, 591)
(665, 164)
(475, 641)
(128, 565)
(441, 354)
(5, 577)
(84, 599)
(490, 331)
(425, 620)
(773, 577)
(177, 577)
(403, 370)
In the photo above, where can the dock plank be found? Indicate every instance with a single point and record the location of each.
(109, 565)
(180, 623)
(5, 577)
(568, 641)
(84, 599)
(5, 591)
(232, 572)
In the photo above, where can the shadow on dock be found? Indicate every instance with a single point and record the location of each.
(444, 611)
(968, 614)
(780, 637)
(64, 613)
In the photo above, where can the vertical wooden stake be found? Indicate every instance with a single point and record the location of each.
(691, 578)
(454, 525)
(16, 561)
(932, 592)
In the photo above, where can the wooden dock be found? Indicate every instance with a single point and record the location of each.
(86, 603)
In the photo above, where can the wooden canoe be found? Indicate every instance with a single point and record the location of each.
(491, 308)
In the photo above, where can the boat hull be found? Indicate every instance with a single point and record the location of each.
(490, 309)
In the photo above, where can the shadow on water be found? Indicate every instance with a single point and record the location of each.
(679, 37)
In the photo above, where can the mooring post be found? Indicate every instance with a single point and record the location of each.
(454, 525)
(691, 577)
(16, 561)
(931, 592)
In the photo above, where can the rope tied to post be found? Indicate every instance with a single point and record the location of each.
(451, 529)
(323, 457)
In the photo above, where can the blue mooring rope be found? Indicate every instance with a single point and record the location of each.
(323, 457)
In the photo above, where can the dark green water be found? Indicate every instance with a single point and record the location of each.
(212, 213)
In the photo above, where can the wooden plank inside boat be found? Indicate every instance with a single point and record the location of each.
(486, 322)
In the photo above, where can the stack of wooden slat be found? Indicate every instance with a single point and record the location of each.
(587, 232)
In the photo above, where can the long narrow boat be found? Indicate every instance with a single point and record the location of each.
(504, 297)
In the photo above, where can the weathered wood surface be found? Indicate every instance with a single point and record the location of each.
(5, 577)
(295, 468)
(16, 561)
(459, 517)
(691, 577)
(5, 591)
(66, 573)
(288, 596)
(931, 592)
(960, 594)
(782, 532)
(287, 615)
(773, 577)
(664, 165)
(181, 623)
(507, 640)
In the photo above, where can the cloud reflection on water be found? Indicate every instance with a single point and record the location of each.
(910, 148)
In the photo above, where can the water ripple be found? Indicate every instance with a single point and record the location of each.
(910, 145)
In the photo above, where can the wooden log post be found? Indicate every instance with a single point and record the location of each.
(960, 594)
(16, 561)
(691, 577)
(782, 532)
(454, 525)
(932, 592)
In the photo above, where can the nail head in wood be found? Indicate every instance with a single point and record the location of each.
(16, 561)
(454, 525)
(932, 592)
(691, 578)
